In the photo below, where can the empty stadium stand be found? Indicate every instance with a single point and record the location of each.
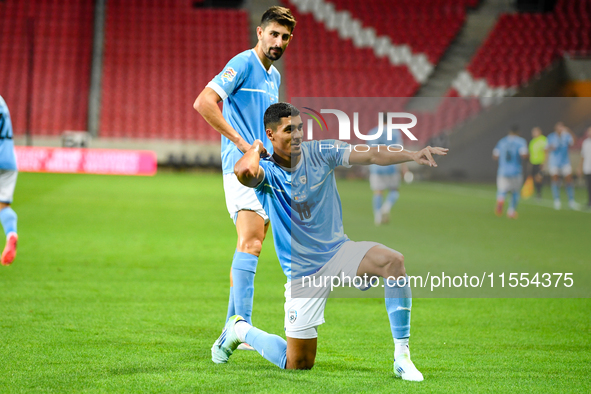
(319, 63)
(522, 45)
(61, 54)
(158, 57)
(450, 113)
(426, 26)
(324, 64)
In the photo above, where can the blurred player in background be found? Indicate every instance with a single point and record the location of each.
(384, 180)
(559, 163)
(537, 157)
(8, 174)
(585, 166)
(510, 151)
(248, 85)
(298, 189)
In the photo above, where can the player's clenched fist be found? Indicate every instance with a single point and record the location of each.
(259, 148)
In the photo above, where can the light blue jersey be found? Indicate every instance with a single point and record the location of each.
(305, 208)
(7, 156)
(383, 140)
(509, 150)
(559, 156)
(247, 89)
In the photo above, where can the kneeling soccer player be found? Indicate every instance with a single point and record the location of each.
(297, 188)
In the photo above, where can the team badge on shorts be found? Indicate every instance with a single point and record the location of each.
(292, 315)
(228, 75)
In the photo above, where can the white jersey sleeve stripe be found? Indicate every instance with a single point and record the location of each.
(322, 181)
(345, 162)
(218, 89)
(254, 90)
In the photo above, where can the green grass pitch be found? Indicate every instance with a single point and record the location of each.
(121, 285)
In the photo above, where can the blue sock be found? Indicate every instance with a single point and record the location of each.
(570, 191)
(271, 347)
(244, 267)
(377, 202)
(555, 190)
(514, 200)
(501, 196)
(398, 305)
(8, 219)
(392, 198)
(231, 310)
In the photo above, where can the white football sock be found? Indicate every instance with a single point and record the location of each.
(377, 217)
(401, 347)
(242, 328)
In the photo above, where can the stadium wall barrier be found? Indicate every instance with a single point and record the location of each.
(86, 161)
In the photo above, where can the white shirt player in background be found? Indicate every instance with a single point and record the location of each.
(510, 151)
(8, 174)
(585, 166)
(248, 85)
(559, 142)
(297, 187)
(385, 180)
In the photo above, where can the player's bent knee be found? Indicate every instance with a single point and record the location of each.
(395, 265)
(301, 353)
(250, 246)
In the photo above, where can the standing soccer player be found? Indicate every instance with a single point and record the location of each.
(248, 85)
(8, 174)
(537, 157)
(559, 164)
(585, 166)
(384, 180)
(297, 187)
(510, 151)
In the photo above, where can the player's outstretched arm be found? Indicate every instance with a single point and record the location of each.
(247, 169)
(384, 157)
(207, 105)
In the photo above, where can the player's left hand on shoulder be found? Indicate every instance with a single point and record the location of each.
(425, 155)
(260, 148)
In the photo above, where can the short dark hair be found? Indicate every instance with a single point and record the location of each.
(276, 111)
(515, 129)
(279, 14)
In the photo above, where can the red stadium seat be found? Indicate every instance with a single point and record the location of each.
(158, 57)
(530, 42)
(411, 22)
(62, 57)
(324, 65)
